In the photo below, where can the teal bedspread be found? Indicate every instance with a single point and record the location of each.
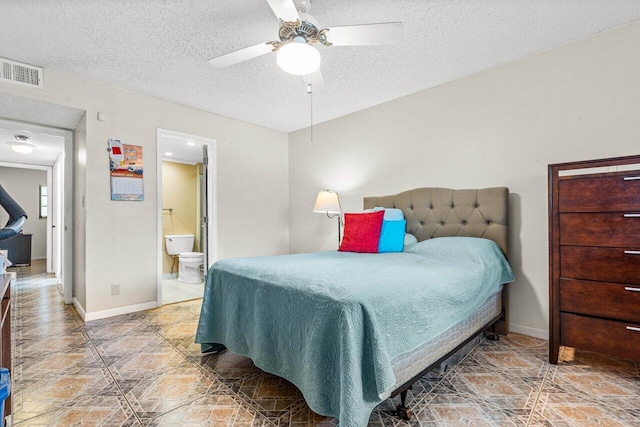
(331, 322)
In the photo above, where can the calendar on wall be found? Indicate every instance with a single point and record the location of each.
(125, 164)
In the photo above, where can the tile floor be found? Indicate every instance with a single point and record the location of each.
(174, 291)
(143, 369)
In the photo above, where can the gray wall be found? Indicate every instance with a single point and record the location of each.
(500, 127)
(23, 186)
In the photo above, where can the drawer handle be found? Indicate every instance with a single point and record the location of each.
(632, 215)
(632, 252)
(631, 178)
(633, 328)
(627, 288)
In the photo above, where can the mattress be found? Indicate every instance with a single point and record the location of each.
(409, 364)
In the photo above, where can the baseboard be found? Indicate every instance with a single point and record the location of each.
(79, 308)
(532, 332)
(38, 257)
(102, 314)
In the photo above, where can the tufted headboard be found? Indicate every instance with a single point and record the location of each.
(440, 212)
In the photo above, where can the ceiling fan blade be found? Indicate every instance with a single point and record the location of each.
(241, 55)
(317, 82)
(367, 34)
(284, 9)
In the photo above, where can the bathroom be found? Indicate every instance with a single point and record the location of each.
(183, 220)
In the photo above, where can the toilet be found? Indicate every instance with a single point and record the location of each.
(190, 264)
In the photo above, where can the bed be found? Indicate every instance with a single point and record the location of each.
(349, 329)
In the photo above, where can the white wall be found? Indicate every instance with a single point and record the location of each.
(23, 185)
(501, 127)
(79, 214)
(121, 241)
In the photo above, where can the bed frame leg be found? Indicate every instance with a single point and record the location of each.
(401, 410)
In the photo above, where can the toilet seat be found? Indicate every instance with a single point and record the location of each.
(188, 255)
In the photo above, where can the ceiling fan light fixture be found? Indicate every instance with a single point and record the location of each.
(298, 57)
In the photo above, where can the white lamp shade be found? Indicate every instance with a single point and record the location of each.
(298, 57)
(328, 202)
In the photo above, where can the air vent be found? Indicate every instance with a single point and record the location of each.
(21, 74)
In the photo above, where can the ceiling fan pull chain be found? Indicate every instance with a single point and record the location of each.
(310, 92)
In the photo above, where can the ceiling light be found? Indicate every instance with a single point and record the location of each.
(298, 57)
(21, 145)
(168, 153)
(191, 143)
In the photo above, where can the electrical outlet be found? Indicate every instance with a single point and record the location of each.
(115, 289)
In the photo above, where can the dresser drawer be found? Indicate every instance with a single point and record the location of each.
(600, 194)
(600, 264)
(601, 299)
(620, 339)
(620, 229)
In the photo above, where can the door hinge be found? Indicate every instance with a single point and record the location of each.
(206, 161)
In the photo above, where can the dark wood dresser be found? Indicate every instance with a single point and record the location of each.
(594, 256)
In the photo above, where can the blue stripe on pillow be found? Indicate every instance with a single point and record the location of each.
(392, 236)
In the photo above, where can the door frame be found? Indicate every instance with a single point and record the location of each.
(212, 223)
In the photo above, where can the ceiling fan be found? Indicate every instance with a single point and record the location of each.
(299, 34)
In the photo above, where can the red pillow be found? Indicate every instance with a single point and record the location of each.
(361, 232)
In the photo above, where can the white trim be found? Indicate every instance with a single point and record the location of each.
(79, 308)
(526, 330)
(39, 257)
(102, 314)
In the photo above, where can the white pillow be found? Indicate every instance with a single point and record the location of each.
(409, 239)
(390, 214)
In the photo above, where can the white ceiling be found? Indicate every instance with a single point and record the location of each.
(49, 144)
(182, 148)
(161, 48)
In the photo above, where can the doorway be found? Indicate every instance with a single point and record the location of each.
(40, 180)
(186, 215)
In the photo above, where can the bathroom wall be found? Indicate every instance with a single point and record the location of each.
(180, 193)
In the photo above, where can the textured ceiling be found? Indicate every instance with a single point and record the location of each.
(161, 48)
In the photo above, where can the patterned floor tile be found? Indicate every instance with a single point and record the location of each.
(590, 389)
(145, 369)
(144, 363)
(101, 411)
(41, 395)
(213, 409)
(154, 395)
